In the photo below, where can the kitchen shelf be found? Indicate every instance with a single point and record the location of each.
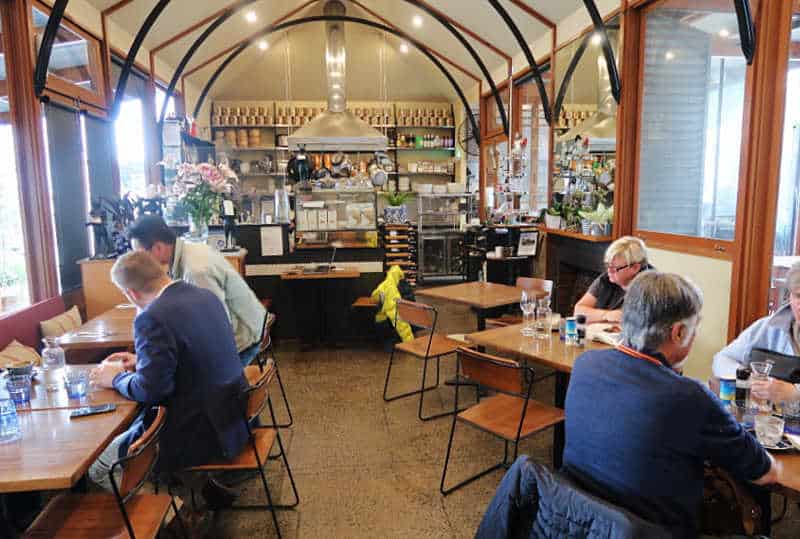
(576, 235)
(427, 174)
(345, 245)
(316, 230)
(398, 149)
(255, 148)
(426, 127)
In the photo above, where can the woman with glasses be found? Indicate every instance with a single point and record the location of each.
(625, 259)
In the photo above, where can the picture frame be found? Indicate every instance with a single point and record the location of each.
(528, 243)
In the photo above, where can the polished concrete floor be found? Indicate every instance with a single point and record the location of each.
(365, 468)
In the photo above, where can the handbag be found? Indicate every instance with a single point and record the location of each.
(784, 367)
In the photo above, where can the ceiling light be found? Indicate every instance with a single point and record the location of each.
(416, 21)
(724, 32)
(669, 55)
(597, 39)
(404, 48)
(251, 17)
(263, 45)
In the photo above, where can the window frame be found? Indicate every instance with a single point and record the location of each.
(695, 245)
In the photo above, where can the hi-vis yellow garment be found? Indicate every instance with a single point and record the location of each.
(387, 295)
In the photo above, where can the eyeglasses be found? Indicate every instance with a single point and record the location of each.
(616, 269)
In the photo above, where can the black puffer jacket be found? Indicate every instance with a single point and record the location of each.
(532, 502)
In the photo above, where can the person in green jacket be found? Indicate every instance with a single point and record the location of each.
(387, 295)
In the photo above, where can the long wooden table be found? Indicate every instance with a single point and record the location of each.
(41, 399)
(480, 296)
(552, 352)
(111, 329)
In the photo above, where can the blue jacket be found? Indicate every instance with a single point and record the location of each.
(773, 332)
(531, 502)
(186, 359)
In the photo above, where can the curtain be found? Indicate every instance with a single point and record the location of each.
(99, 151)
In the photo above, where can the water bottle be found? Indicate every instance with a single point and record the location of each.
(571, 331)
(9, 423)
(53, 364)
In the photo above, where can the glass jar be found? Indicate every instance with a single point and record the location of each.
(52, 364)
(281, 206)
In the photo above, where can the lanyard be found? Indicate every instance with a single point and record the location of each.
(639, 355)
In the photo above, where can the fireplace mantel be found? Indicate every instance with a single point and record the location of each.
(573, 261)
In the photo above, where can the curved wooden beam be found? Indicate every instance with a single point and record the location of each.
(747, 30)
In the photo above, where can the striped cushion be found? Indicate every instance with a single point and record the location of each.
(17, 354)
(57, 326)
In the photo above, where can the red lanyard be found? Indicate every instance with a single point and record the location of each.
(638, 355)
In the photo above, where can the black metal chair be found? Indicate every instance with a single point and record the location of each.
(262, 440)
(112, 515)
(427, 347)
(510, 414)
(266, 349)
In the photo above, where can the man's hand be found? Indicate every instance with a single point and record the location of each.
(775, 390)
(614, 317)
(126, 359)
(103, 375)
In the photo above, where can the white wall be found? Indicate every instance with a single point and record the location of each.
(713, 276)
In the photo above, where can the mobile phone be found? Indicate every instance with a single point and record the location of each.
(92, 410)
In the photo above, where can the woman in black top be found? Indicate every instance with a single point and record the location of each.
(625, 259)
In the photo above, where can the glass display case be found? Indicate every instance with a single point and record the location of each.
(345, 216)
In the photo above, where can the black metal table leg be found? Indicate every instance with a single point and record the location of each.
(562, 381)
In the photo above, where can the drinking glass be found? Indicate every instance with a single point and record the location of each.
(543, 319)
(769, 429)
(52, 364)
(527, 303)
(19, 388)
(791, 417)
(9, 423)
(760, 373)
(77, 382)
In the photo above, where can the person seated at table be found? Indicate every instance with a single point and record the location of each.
(186, 360)
(625, 258)
(200, 265)
(637, 432)
(778, 332)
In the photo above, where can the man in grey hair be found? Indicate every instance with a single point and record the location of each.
(637, 431)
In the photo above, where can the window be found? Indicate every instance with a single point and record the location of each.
(14, 290)
(75, 67)
(691, 125)
(534, 128)
(494, 121)
(160, 95)
(129, 131)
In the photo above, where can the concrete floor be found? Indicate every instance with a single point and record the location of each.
(365, 468)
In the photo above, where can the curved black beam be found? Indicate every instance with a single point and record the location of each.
(193, 48)
(324, 18)
(43, 59)
(537, 75)
(475, 56)
(573, 63)
(747, 30)
(608, 52)
(134, 50)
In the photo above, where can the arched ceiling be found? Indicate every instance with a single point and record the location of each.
(410, 76)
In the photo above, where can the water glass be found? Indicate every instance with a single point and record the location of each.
(9, 423)
(52, 364)
(527, 303)
(769, 430)
(543, 322)
(77, 382)
(791, 417)
(19, 388)
(760, 372)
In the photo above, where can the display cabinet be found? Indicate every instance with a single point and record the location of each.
(345, 216)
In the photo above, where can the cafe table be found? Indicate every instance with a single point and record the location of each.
(111, 329)
(55, 451)
(482, 297)
(551, 352)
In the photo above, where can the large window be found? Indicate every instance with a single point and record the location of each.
(14, 290)
(129, 131)
(691, 125)
(534, 128)
(160, 95)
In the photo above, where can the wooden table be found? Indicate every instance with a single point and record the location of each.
(41, 399)
(344, 272)
(56, 451)
(111, 329)
(552, 352)
(481, 296)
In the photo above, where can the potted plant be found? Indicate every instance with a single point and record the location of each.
(600, 219)
(552, 217)
(395, 212)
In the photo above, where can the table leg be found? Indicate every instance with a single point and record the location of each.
(480, 315)
(562, 381)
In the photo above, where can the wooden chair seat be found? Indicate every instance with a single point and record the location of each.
(500, 415)
(440, 346)
(246, 460)
(97, 516)
(365, 302)
(253, 372)
(504, 320)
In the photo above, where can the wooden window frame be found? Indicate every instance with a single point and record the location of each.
(695, 245)
(63, 91)
(486, 99)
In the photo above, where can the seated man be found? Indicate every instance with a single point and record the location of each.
(778, 332)
(637, 432)
(625, 259)
(200, 265)
(186, 360)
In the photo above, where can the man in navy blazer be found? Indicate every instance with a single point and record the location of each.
(186, 360)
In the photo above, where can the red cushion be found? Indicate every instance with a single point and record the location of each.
(23, 325)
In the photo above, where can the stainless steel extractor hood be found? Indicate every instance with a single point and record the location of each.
(336, 129)
(600, 127)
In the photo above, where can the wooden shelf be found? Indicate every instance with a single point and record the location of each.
(344, 245)
(576, 235)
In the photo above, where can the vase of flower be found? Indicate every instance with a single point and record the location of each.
(198, 229)
(200, 190)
